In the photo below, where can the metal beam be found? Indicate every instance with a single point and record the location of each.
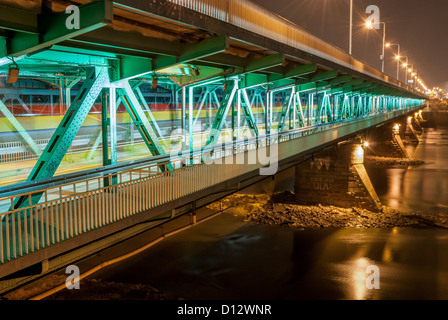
(191, 52)
(323, 76)
(248, 114)
(34, 148)
(63, 137)
(223, 110)
(148, 110)
(52, 28)
(254, 80)
(341, 80)
(140, 120)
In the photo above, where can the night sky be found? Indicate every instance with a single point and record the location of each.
(419, 26)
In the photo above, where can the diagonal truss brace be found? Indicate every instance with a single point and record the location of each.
(223, 110)
(289, 101)
(140, 120)
(248, 114)
(20, 129)
(62, 139)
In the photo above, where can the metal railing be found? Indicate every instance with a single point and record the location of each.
(75, 204)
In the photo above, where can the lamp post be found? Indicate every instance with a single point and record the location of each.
(410, 70)
(405, 65)
(351, 27)
(370, 26)
(388, 45)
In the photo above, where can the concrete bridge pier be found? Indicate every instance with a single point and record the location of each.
(386, 140)
(337, 176)
(413, 130)
(417, 122)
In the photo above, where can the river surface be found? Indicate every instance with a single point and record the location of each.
(226, 258)
(422, 188)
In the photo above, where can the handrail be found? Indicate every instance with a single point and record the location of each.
(93, 204)
(27, 188)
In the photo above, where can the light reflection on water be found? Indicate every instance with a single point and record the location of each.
(226, 258)
(421, 188)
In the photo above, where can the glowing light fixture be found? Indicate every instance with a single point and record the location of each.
(13, 73)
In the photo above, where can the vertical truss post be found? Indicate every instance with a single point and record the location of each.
(190, 119)
(266, 112)
(311, 109)
(104, 127)
(184, 118)
(113, 126)
(109, 127)
(299, 110)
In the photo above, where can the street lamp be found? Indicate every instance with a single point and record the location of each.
(410, 70)
(351, 27)
(369, 25)
(388, 45)
(405, 65)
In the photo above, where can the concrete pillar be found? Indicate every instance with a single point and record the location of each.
(386, 141)
(337, 177)
(411, 134)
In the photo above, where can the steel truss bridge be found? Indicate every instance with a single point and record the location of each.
(272, 85)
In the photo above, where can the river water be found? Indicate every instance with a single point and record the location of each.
(422, 188)
(226, 258)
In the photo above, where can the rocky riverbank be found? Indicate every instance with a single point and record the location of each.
(282, 210)
(384, 161)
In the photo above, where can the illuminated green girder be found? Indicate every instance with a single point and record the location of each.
(254, 80)
(299, 110)
(248, 114)
(323, 76)
(221, 115)
(345, 110)
(41, 31)
(130, 67)
(140, 120)
(60, 142)
(287, 103)
(191, 52)
(33, 147)
(341, 80)
(96, 143)
(148, 110)
(325, 107)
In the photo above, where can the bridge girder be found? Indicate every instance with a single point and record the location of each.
(29, 32)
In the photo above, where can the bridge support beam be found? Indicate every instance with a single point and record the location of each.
(337, 177)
